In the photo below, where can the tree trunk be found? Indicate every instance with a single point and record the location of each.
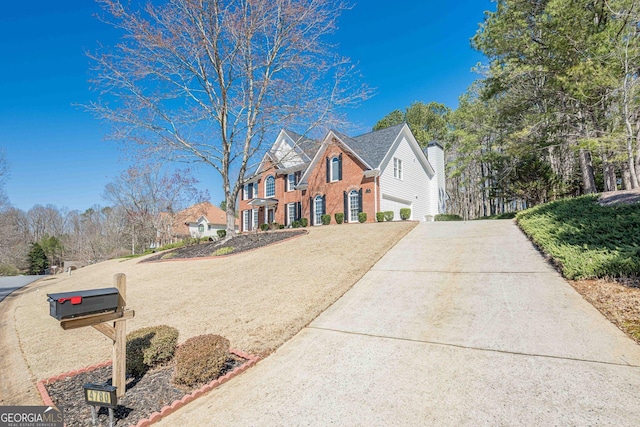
(626, 177)
(231, 217)
(586, 169)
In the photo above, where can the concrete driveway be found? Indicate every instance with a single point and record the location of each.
(11, 283)
(459, 324)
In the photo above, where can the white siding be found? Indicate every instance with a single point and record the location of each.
(413, 191)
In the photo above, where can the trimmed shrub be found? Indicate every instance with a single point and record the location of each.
(405, 213)
(326, 219)
(388, 215)
(200, 359)
(222, 233)
(362, 217)
(295, 224)
(304, 222)
(447, 217)
(379, 216)
(149, 347)
(264, 227)
(339, 217)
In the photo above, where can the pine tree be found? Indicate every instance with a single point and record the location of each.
(38, 261)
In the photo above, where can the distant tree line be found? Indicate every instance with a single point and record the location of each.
(142, 201)
(556, 114)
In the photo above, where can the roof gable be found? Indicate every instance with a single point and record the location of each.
(415, 147)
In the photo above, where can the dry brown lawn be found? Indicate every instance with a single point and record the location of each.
(258, 300)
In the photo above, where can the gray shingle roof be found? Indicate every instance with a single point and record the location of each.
(304, 144)
(373, 146)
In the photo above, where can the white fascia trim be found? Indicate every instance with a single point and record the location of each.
(414, 146)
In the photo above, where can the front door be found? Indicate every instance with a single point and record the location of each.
(270, 215)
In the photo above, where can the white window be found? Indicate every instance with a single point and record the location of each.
(245, 192)
(397, 168)
(245, 221)
(335, 169)
(291, 213)
(318, 210)
(201, 228)
(354, 206)
(255, 219)
(291, 182)
(270, 187)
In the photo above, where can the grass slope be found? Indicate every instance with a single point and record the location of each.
(586, 240)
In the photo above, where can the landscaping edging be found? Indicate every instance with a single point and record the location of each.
(251, 360)
(295, 236)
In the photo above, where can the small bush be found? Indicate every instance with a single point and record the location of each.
(149, 347)
(388, 215)
(339, 217)
(223, 251)
(264, 227)
(8, 270)
(276, 226)
(405, 213)
(447, 217)
(295, 224)
(200, 359)
(362, 217)
(379, 216)
(222, 233)
(304, 222)
(326, 219)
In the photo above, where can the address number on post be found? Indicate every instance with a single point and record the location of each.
(100, 395)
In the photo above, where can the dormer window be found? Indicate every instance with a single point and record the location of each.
(270, 187)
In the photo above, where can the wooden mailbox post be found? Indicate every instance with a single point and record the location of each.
(113, 325)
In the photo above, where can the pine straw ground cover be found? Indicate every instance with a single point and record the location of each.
(596, 241)
(257, 299)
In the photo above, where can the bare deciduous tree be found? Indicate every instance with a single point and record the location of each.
(148, 196)
(208, 81)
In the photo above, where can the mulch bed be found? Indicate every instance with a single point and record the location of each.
(144, 396)
(237, 244)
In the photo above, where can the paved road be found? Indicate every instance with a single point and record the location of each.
(10, 284)
(459, 324)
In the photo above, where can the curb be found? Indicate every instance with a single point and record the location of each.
(251, 360)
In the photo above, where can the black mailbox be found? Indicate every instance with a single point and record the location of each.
(65, 305)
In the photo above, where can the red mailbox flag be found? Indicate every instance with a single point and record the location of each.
(74, 300)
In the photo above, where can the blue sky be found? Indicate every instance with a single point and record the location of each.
(407, 50)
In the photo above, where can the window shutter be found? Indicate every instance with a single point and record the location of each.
(328, 170)
(324, 205)
(346, 206)
(360, 200)
(298, 211)
(250, 225)
(255, 189)
(311, 211)
(340, 167)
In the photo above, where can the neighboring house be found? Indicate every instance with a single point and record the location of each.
(385, 170)
(200, 220)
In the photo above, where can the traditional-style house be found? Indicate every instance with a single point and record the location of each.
(200, 220)
(385, 170)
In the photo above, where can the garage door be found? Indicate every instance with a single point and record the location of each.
(394, 204)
